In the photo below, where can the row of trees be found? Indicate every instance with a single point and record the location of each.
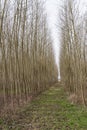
(73, 57)
(27, 63)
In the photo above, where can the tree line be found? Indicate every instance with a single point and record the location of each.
(27, 62)
(73, 57)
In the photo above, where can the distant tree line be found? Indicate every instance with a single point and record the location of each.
(27, 62)
(73, 57)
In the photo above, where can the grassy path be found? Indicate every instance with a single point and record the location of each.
(49, 111)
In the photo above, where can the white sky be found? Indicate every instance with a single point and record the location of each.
(53, 7)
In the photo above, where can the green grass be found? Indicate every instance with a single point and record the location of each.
(49, 111)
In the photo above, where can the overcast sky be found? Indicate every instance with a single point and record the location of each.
(53, 7)
(52, 13)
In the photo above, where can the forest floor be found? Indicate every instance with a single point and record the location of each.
(49, 111)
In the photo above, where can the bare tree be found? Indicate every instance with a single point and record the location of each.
(72, 57)
(27, 62)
